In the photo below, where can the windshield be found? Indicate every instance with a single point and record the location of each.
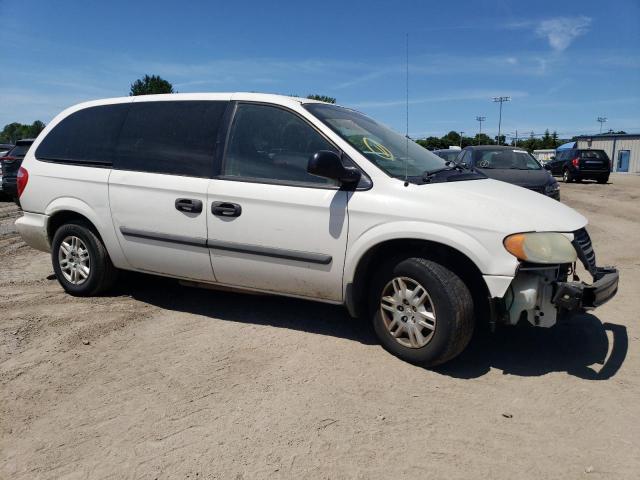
(506, 159)
(449, 155)
(379, 144)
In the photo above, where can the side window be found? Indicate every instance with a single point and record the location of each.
(269, 143)
(465, 157)
(170, 137)
(87, 136)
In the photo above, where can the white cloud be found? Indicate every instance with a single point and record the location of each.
(562, 31)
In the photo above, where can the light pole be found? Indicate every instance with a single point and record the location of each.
(461, 139)
(480, 120)
(501, 100)
(601, 120)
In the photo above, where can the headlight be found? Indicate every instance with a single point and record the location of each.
(544, 247)
(552, 188)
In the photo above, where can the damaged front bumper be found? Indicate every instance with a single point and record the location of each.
(541, 293)
(581, 296)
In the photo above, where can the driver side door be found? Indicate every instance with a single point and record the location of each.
(271, 225)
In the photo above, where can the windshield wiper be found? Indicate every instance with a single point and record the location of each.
(429, 174)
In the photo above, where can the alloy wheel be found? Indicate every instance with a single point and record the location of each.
(408, 312)
(74, 260)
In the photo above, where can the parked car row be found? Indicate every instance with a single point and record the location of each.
(505, 163)
(519, 167)
(10, 165)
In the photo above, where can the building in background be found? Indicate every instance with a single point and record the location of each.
(623, 149)
(544, 155)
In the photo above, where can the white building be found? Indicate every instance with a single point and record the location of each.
(544, 155)
(623, 149)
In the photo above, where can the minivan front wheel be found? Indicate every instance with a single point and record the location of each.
(80, 261)
(422, 311)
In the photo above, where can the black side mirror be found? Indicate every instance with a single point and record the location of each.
(546, 166)
(327, 164)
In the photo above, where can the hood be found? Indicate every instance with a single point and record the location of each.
(523, 178)
(490, 205)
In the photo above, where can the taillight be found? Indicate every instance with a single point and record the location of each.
(576, 162)
(23, 178)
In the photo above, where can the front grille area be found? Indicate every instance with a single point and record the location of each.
(582, 244)
(536, 189)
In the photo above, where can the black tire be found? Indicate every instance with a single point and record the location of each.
(567, 177)
(603, 179)
(452, 303)
(102, 274)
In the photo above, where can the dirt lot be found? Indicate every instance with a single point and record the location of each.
(164, 381)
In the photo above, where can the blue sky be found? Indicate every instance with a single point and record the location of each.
(563, 63)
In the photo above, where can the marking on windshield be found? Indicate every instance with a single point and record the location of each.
(377, 148)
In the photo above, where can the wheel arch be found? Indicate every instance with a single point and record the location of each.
(63, 210)
(357, 286)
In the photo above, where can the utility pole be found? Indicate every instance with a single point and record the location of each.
(516, 137)
(480, 120)
(500, 100)
(601, 120)
(461, 139)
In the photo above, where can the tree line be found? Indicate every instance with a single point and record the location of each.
(530, 143)
(15, 131)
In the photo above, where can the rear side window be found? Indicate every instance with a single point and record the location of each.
(596, 154)
(171, 137)
(87, 136)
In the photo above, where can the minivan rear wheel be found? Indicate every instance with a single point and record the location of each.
(422, 311)
(80, 260)
(566, 176)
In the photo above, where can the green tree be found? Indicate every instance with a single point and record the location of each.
(322, 98)
(451, 139)
(431, 143)
(150, 85)
(16, 131)
(483, 139)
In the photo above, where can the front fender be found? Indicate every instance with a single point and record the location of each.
(483, 248)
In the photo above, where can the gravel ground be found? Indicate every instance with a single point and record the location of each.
(164, 381)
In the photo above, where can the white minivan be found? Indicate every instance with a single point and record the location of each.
(302, 198)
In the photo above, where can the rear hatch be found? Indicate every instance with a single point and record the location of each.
(593, 160)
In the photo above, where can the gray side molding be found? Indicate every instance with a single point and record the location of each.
(163, 237)
(308, 257)
(271, 252)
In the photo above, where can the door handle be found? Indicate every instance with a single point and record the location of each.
(226, 209)
(188, 205)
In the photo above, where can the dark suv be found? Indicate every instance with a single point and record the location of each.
(577, 164)
(11, 164)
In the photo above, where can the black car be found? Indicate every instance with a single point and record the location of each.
(578, 164)
(4, 148)
(11, 164)
(512, 165)
(449, 154)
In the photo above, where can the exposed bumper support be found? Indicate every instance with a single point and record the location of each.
(581, 296)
